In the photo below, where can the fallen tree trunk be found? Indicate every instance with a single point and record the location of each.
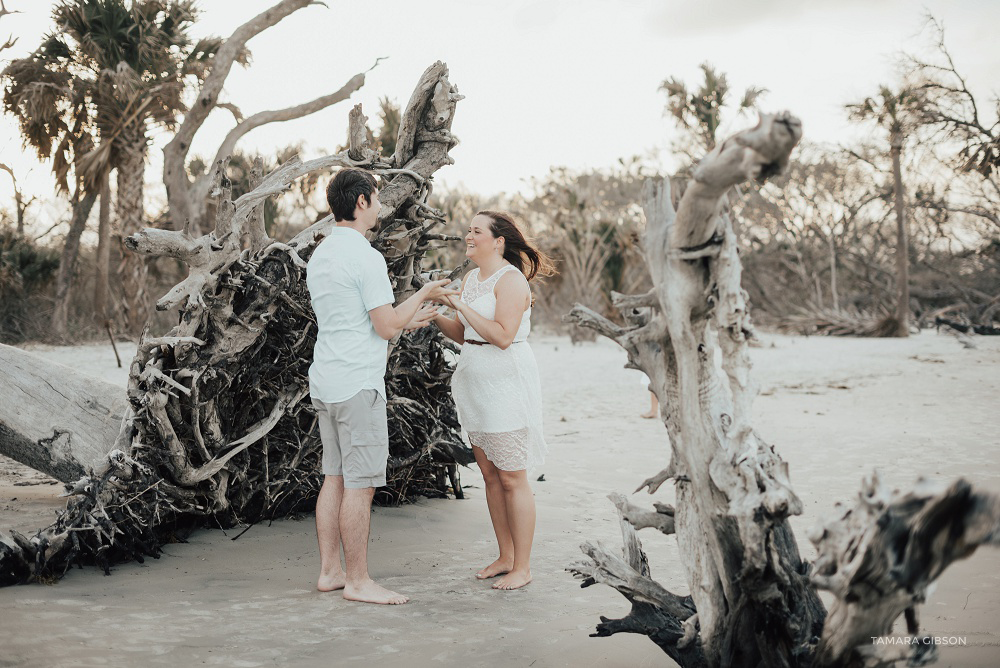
(753, 599)
(54, 419)
(220, 430)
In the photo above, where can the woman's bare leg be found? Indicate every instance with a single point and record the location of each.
(496, 502)
(520, 502)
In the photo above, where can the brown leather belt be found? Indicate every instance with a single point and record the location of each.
(484, 343)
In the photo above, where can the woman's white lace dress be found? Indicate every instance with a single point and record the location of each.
(497, 392)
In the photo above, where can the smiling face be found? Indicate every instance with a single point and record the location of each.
(480, 243)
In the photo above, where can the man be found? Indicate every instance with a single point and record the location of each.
(351, 294)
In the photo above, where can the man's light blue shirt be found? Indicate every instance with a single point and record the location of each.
(347, 278)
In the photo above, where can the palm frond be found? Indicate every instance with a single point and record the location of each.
(750, 97)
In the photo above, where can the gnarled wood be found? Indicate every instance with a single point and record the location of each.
(733, 498)
(669, 620)
(219, 428)
(879, 556)
(188, 199)
(755, 604)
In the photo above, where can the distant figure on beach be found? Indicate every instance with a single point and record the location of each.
(351, 294)
(496, 384)
(654, 405)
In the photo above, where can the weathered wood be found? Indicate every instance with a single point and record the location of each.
(256, 233)
(219, 428)
(188, 199)
(662, 518)
(755, 604)
(733, 497)
(669, 620)
(254, 121)
(754, 154)
(53, 418)
(879, 556)
(357, 136)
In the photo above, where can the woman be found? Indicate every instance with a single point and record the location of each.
(496, 386)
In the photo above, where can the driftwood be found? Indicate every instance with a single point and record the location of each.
(188, 198)
(879, 557)
(844, 321)
(217, 429)
(81, 415)
(753, 602)
(982, 330)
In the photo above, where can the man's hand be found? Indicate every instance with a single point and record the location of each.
(422, 318)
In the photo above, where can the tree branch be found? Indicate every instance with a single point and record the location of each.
(253, 122)
(175, 152)
(661, 519)
(655, 611)
(757, 154)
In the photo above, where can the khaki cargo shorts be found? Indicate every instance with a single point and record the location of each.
(355, 435)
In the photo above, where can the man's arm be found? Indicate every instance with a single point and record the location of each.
(389, 320)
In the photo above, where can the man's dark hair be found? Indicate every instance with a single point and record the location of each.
(345, 188)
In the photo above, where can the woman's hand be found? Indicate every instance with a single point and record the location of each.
(455, 303)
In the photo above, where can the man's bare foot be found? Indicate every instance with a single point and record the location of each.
(648, 416)
(370, 592)
(513, 580)
(331, 582)
(498, 567)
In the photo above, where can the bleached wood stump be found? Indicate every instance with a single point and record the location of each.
(753, 599)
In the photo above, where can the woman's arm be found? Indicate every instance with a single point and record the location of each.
(452, 327)
(513, 296)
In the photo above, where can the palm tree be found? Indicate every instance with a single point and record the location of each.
(110, 71)
(699, 112)
(54, 118)
(894, 111)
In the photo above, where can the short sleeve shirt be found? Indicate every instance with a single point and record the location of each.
(347, 278)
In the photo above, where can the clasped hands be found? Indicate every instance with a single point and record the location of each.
(435, 292)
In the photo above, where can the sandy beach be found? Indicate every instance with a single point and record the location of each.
(835, 408)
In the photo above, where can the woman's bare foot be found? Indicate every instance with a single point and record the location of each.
(649, 416)
(370, 592)
(331, 582)
(513, 580)
(498, 567)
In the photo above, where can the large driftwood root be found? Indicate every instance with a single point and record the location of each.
(753, 602)
(219, 430)
(746, 577)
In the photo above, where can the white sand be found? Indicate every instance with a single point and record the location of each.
(835, 409)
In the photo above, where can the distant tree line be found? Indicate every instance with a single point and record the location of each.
(874, 238)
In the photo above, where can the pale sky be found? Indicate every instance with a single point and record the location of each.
(553, 82)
